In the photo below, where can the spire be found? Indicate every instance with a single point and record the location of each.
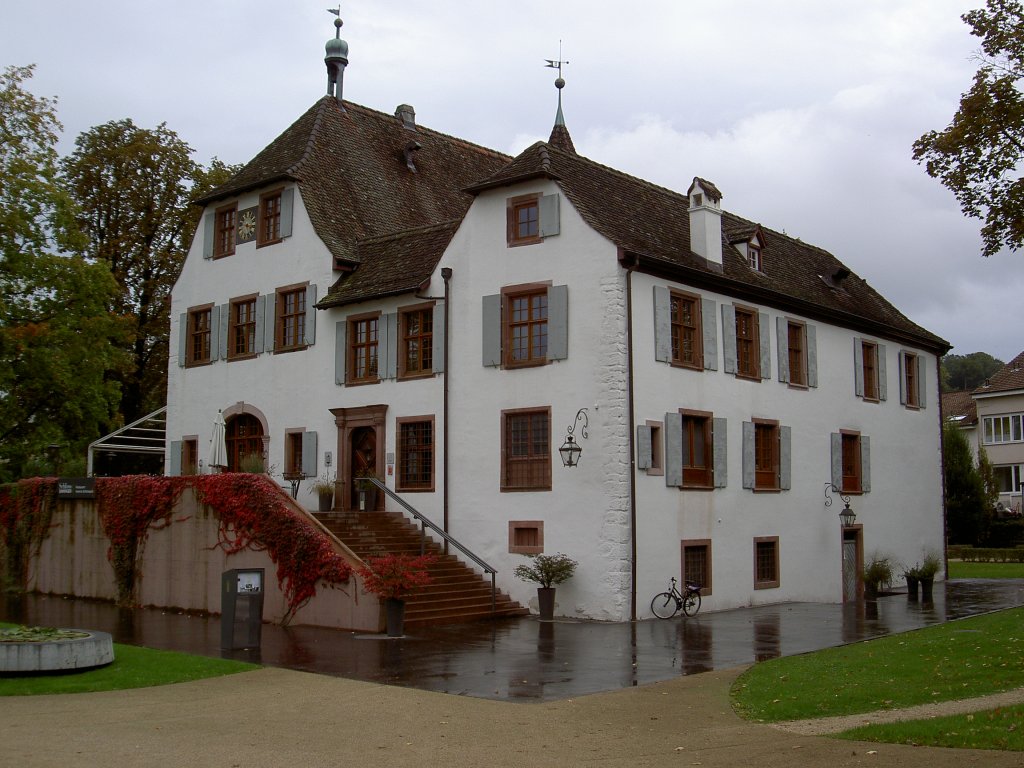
(560, 137)
(336, 59)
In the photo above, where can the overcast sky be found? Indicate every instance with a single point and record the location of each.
(802, 112)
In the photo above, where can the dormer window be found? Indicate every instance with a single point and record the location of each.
(754, 257)
(531, 218)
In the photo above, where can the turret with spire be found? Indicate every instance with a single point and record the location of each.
(560, 137)
(336, 59)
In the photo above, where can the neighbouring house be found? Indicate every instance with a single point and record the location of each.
(370, 296)
(960, 409)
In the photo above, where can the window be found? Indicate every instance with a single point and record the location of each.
(1008, 477)
(1003, 429)
(697, 450)
(747, 344)
(199, 335)
(269, 230)
(527, 328)
(795, 335)
(754, 257)
(766, 562)
(685, 318)
(696, 554)
(649, 452)
(244, 441)
(190, 456)
(224, 231)
(910, 380)
(364, 339)
(417, 350)
(415, 454)
(526, 450)
(851, 462)
(242, 331)
(869, 370)
(525, 217)
(766, 455)
(293, 454)
(798, 352)
(291, 319)
(526, 537)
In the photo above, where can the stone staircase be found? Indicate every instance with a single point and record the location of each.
(456, 592)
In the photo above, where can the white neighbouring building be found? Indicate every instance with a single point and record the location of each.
(368, 295)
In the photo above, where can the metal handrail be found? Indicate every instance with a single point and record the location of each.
(426, 522)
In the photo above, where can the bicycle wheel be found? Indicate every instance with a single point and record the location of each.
(664, 605)
(691, 603)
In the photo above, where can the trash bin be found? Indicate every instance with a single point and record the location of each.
(241, 608)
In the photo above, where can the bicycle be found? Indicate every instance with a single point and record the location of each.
(665, 605)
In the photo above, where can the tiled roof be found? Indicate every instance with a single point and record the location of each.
(652, 223)
(1009, 377)
(960, 407)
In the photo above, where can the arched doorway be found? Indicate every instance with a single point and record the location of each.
(244, 440)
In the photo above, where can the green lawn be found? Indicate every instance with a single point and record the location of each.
(961, 570)
(957, 660)
(993, 729)
(133, 667)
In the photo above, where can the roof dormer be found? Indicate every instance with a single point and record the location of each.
(750, 242)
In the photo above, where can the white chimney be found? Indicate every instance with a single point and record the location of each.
(705, 220)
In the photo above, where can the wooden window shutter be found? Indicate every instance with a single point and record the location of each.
(674, 449)
(491, 331)
(387, 346)
(883, 389)
(811, 335)
(340, 350)
(865, 463)
(174, 454)
(225, 325)
(748, 454)
(558, 322)
(901, 360)
(858, 367)
(214, 332)
(182, 339)
(764, 337)
(720, 454)
(836, 456)
(662, 324)
(261, 308)
(437, 339)
(785, 458)
(729, 338)
(209, 233)
(921, 388)
(309, 454)
(310, 330)
(782, 344)
(549, 215)
(287, 206)
(270, 325)
(644, 450)
(708, 324)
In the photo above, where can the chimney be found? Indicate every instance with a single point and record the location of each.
(407, 115)
(705, 220)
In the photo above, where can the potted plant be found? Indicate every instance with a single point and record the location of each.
(393, 578)
(930, 565)
(877, 574)
(913, 577)
(323, 487)
(547, 571)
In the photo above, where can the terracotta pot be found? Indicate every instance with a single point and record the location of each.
(546, 603)
(395, 611)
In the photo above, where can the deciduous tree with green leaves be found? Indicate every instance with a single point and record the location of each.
(962, 373)
(56, 335)
(979, 155)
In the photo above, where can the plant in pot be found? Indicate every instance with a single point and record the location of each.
(323, 487)
(393, 578)
(547, 571)
(913, 577)
(877, 575)
(930, 565)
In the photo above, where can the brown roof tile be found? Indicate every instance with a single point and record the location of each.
(961, 407)
(1007, 378)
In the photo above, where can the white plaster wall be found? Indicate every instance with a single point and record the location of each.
(1000, 453)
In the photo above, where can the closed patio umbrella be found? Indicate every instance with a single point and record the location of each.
(218, 444)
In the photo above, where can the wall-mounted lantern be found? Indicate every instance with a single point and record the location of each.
(847, 516)
(570, 450)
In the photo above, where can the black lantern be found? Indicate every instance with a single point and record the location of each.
(847, 516)
(570, 450)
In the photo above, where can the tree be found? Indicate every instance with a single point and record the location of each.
(55, 331)
(978, 156)
(962, 373)
(966, 510)
(133, 188)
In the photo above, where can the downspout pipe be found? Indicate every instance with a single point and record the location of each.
(446, 275)
(630, 263)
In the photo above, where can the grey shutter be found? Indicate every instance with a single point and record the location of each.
(901, 360)
(491, 330)
(836, 456)
(729, 338)
(310, 337)
(287, 205)
(437, 339)
(309, 454)
(644, 451)
(858, 367)
(270, 325)
(719, 450)
(782, 344)
(921, 388)
(709, 326)
(748, 454)
(548, 211)
(883, 386)
(865, 463)
(261, 320)
(340, 350)
(764, 337)
(674, 449)
(558, 322)
(209, 224)
(387, 346)
(785, 458)
(812, 355)
(182, 339)
(214, 332)
(662, 324)
(225, 325)
(175, 456)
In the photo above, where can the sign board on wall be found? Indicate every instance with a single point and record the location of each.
(76, 488)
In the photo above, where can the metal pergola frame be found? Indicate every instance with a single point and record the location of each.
(146, 435)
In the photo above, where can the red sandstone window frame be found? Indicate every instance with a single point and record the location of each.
(416, 326)
(290, 318)
(225, 222)
(687, 335)
(199, 335)
(523, 220)
(268, 230)
(748, 344)
(416, 437)
(526, 449)
(766, 562)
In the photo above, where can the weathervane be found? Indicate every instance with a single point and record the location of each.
(557, 63)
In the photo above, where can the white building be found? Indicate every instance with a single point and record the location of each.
(370, 295)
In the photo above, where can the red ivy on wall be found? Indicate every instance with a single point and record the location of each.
(26, 508)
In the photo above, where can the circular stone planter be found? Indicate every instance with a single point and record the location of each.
(93, 650)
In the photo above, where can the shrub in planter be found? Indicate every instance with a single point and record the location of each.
(393, 578)
(878, 574)
(547, 571)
